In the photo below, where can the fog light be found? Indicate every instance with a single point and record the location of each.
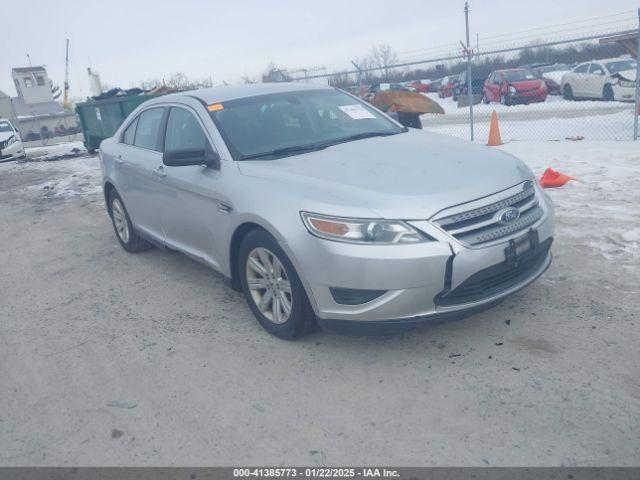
(351, 296)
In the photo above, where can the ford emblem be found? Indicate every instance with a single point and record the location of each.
(508, 215)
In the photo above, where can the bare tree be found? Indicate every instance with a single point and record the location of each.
(383, 57)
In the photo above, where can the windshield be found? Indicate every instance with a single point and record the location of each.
(621, 65)
(5, 127)
(519, 75)
(291, 121)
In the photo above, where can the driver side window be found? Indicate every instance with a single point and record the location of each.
(184, 132)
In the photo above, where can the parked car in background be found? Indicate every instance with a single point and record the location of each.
(435, 85)
(609, 79)
(552, 76)
(515, 85)
(477, 84)
(447, 85)
(422, 86)
(320, 208)
(11, 147)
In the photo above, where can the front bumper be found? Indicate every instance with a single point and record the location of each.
(12, 152)
(418, 280)
(624, 94)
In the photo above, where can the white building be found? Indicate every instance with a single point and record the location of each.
(34, 111)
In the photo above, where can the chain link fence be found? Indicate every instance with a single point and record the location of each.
(558, 87)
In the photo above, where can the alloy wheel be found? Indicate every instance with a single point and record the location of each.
(120, 220)
(269, 285)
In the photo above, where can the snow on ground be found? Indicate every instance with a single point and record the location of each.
(601, 211)
(67, 178)
(554, 119)
(608, 126)
(51, 152)
(553, 102)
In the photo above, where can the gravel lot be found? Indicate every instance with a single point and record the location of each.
(108, 358)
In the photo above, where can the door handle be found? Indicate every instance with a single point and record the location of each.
(160, 172)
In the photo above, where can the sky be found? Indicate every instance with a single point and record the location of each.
(127, 42)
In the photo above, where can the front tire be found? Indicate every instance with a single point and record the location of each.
(607, 93)
(129, 239)
(567, 92)
(272, 287)
(504, 100)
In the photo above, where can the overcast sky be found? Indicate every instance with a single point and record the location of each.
(129, 41)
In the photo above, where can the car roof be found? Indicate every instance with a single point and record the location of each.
(226, 93)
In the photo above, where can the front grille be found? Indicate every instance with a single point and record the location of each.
(482, 224)
(4, 144)
(496, 279)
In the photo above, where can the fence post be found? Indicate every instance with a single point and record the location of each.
(469, 82)
(635, 116)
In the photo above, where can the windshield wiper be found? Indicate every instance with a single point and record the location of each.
(285, 151)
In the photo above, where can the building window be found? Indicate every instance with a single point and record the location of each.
(40, 80)
(28, 82)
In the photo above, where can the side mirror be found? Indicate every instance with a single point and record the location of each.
(191, 156)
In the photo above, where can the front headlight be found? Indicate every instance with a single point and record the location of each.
(13, 139)
(356, 230)
(512, 90)
(627, 84)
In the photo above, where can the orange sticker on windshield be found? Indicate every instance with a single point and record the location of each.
(214, 107)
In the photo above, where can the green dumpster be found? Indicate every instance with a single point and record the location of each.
(101, 118)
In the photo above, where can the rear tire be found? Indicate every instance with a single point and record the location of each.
(272, 287)
(567, 92)
(129, 239)
(485, 100)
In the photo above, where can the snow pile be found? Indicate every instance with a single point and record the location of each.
(56, 151)
(602, 210)
(68, 178)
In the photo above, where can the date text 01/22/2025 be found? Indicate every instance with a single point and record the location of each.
(319, 472)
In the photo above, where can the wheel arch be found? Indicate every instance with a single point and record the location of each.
(108, 187)
(239, 234)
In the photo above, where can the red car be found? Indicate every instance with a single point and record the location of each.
(447, 86)
(516, 85)
(422, 86)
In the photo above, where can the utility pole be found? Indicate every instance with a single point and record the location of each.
(469, 82)
(359, 77)
(29, 58)
(65, 98)
(635, 117)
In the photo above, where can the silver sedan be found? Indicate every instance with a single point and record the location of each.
(322, 209)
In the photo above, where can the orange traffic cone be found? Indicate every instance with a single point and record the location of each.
(494, 131)
(551, 179)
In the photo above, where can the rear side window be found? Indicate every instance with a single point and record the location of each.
(184, 132)
(148, 128)
(595, 68)
(129, 133)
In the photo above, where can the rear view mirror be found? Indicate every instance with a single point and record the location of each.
(191, 156)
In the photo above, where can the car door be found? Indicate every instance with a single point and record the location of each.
(597, 78)
(579, 80)
(136, 160)
(191, 213)
(494, 87)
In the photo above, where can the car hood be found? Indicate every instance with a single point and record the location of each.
(626, 74)
(526, 84)
(411, 175)
(6, 135)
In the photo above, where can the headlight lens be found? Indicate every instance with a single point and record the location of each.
(627, 83)
(367, 231)
(512, 90)
(12, 140)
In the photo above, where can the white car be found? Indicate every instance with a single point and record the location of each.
(609, 79)
(10, 142)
